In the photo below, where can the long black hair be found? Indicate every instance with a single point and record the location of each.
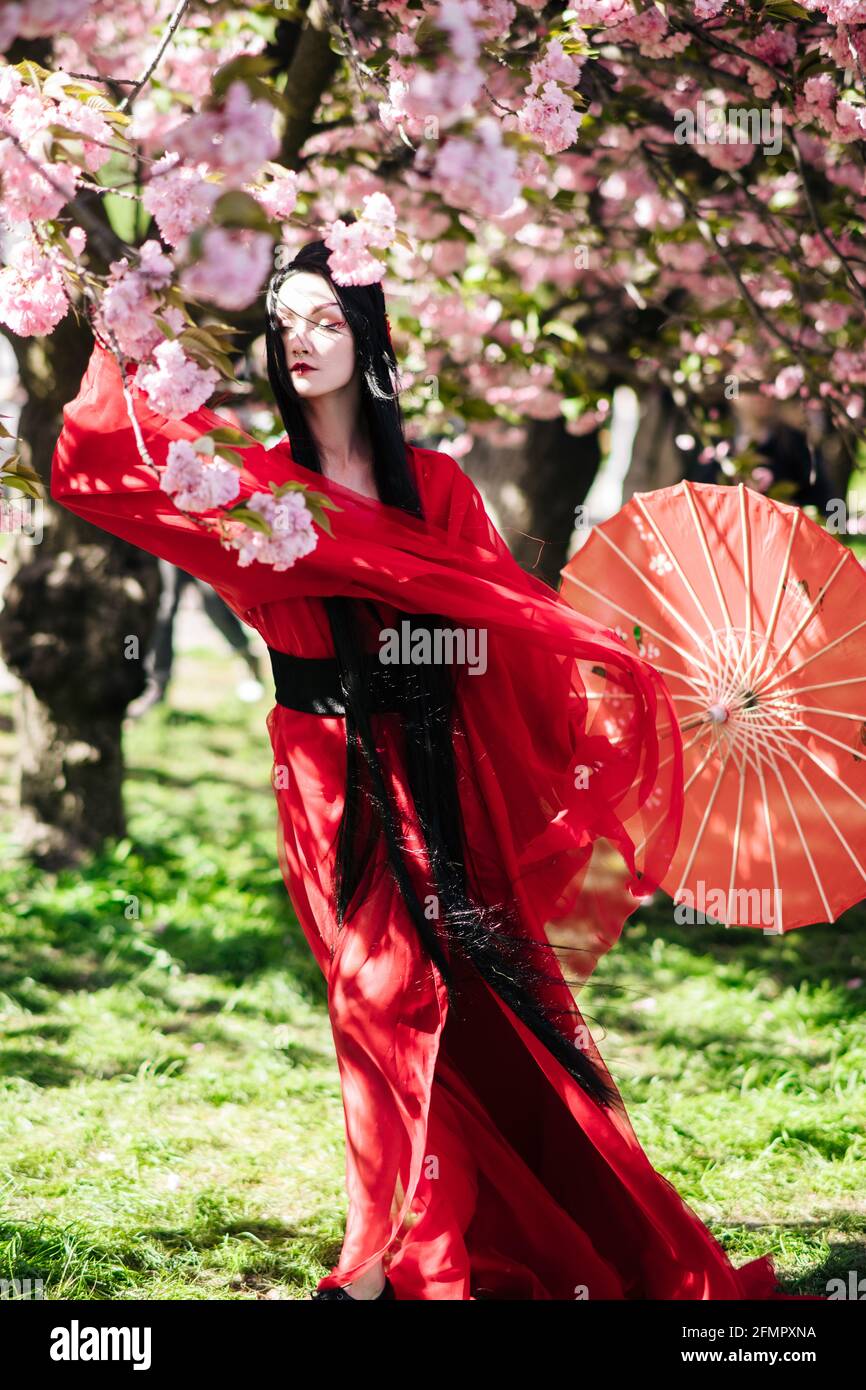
(489, 938)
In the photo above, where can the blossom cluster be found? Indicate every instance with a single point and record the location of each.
(669, 195)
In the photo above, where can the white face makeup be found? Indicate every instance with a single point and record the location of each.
(318, 342)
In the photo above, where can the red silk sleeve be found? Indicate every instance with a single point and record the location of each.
(97, 473)
(463, 513)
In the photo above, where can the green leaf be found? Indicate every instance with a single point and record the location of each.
(65, 132)
(747, 459)
(198, 343)
(280, 489)
(122, 214)
(16, 465)
(319, 517)
(557, 328)
(786, 9)
(20, 485)
(242, 68)
(32, 72)
(225, 434)
(230, 455)
(254, 520)
(239, 209)
(784, 490)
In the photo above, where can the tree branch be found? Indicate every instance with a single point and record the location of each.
(167, 37)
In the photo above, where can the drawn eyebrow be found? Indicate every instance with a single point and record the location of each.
(326, 304)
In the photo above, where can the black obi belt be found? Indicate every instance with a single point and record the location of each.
(312, 685)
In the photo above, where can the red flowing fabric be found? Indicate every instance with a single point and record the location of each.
(476, 1166)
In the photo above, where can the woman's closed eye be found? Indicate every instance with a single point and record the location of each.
(330, 325)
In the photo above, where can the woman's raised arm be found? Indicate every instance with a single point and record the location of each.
(98, 473)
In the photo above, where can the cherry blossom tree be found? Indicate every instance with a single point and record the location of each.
(557, 199)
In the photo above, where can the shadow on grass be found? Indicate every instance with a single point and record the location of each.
(833, 952)
(70, 931)
(39, 1067)
(73, 1264)
(169, 779)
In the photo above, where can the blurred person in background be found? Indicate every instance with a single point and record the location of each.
(160, 657)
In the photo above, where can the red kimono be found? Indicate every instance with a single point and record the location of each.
(476, 1166)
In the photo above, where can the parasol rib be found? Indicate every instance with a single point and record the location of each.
(804, 622)
(782, 753)
(819, 651)
(605, 598)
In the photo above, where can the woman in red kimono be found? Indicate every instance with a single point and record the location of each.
(441, 828)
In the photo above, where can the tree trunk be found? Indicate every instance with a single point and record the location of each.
(75, 628)
(79, 611)
(535, 489)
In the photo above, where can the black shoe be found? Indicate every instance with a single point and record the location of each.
(340, 1295)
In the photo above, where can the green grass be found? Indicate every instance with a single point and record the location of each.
(171, 1124)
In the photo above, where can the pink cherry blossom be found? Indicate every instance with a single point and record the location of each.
(849, 366)
(10, 19)
(457, 18)
(649, 30)
(10, 85)
(839, 11)
(33, 297)
(550, 118)
(177, 385)
(42, 18)
(496, 18)
(761, 478)
(555, 65)
(80, 117)
(592, 13)
(788, 382)
(684, 255)
(378, 219)
(444, 94)
(197, 484)
(33, 189)
(154, 266)
(350, 261)
(445, 91)
(179, 196)
(237, 139)
(77, 238)
(130, 301)
(33, 194)
(830, 315)
(478, 174)
(293, 534)
(232, 267)
(279, 196)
